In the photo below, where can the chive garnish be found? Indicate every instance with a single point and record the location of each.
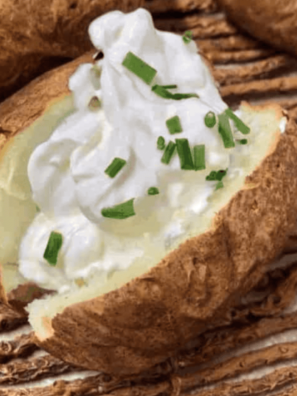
(212, 176)
(210, 119)
(221, 174)
(153, 191)
(53, 246)
(184, 153)
(219, 185)
(173, 125)
(113, 169)
(242, 141)
(161, 143)
(139, 67)
(216, 175)
(225, 131)
(168, 153)
(187, 37)
(240, 125)
(94, 103)
(199, 157)
(37, 208)
(120, 212)
(168, 86)
(160, 90)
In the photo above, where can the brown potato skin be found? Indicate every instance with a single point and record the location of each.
(149, 319)
(35, 38)
(273, 21)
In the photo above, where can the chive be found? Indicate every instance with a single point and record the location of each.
(139, 67)
(187, 37)
(94, 103)
(184, 153)
(53, 246)
(225, 131)
(219, 185)
(168, 153)
(173, 125)
(37, 208)
(153, 191)
(168, 86)
(210, 119)
(121, 211)
(212, 176)
(113, 169)
(242, 141)
(160, 90)
(199, 157)
(221, 174)
(240, 125)
(161, 143)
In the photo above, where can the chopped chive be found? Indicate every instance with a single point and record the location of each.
(240, 125)
(210, 119)
(153, 191)
(139, 67)
(225, 131)
(160, 90)
(95, 74)
(221, 174)
(53, 246)
(173, 125)
(94, 103)
(113, 169)
(168, 86)
(161, 143)
(242, 141)
(184, 153)
(168, 153)
(121, 211)
(188, 36)
(37, 208)
(212, 176)
(219, 185)
(199, 157)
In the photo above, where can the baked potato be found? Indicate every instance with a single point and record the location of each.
(273, 22)
(141, 315)
(34, 39)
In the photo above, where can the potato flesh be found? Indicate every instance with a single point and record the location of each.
(15, 194)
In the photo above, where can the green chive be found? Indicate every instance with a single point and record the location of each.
(242, 141)
(219, 185)
(187, 37)
(153, 191)
(173, 125)
(210, 119)
(161, 143)
(199, 157)
(139, 67)
(53, 246)
(94, 103)
(184, 153)
(168, 86)
(121, 211)
(37, 208)
(225, 131)
(160, 90)
(168, 153)
(240, 125)
(221, 174)
(212, 176)
(113, 169)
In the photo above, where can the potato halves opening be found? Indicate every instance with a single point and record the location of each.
(17, 208)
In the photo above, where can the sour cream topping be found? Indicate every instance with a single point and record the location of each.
(66, 172)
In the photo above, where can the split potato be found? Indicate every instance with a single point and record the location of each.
(35, 38)
(147, 313)
(273, 21)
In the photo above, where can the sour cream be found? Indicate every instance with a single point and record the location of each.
(67, 172)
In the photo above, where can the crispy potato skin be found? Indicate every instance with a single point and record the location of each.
(273, 21)
(149, 319)
(35, 38)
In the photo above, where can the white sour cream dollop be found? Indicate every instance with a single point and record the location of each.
(67, 175)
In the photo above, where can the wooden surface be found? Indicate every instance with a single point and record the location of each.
(255, 351)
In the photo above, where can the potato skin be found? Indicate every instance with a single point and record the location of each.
(131, 329)
(273, 21)
(35, 38)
